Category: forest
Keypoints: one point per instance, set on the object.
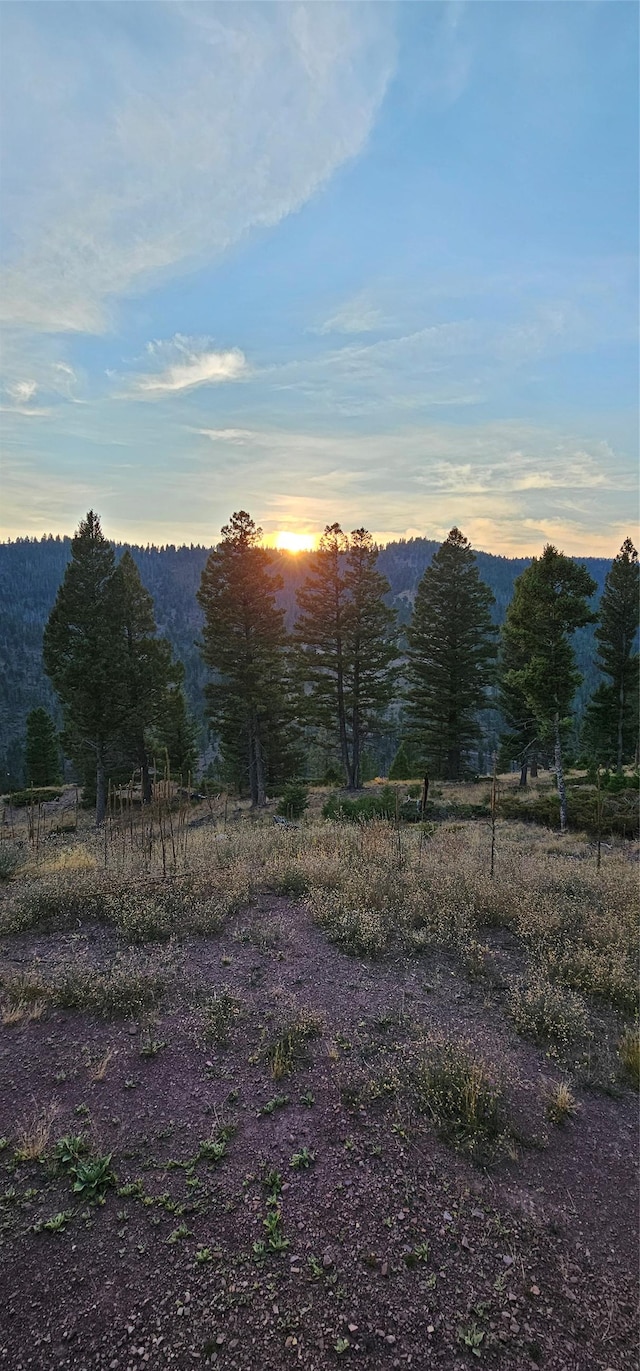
(31, 571)
(317, 677)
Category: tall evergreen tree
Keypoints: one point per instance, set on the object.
(347, 639)
(42, 749)
(451, 657)
(244, 643)
(520, 741)
(611, 724)
(148, 666)
(175, 733)
(550, 602)
(320, 632)
(83, 652)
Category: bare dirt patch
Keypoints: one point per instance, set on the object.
(301, 1207)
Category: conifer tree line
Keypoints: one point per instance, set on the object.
(115, 677)
(344, 676)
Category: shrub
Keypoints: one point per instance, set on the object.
(360, 930)
(619, 812)
(294, 800)
(9, 862)
(289, 1047)
(218, 1016)
(123, 989)
(561, 1104)
(374, 805)
(466, 1105)
(553, 1017)
(21, 799)
(629, 1054)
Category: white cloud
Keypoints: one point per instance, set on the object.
(357, 315)
(147, 148)
(22, 391)
(189, 362)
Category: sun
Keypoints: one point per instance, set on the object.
(294, 542)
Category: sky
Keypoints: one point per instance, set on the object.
(366, 263)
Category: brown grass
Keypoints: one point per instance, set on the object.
(34, 1136)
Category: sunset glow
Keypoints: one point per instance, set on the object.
(294, 542)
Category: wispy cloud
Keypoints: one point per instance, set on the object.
(205, 120)
(357, 315)
(188, 362)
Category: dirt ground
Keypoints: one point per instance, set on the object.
(396, 1250)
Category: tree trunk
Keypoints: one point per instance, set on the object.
(101, 789)
(342, 721)
(562, 790)
(620, 724)
(522, 784)
(258, 782)
(534, 766)
(354, 783)
(145, 778)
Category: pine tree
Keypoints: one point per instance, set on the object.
(520, 741)
(82, 652)
(320, 632)
(611, 723)
(244, 643)
(450, 659)
(347, 640)
(550, 602)
(175, 733)
(42, 749)
(400, 769)
(149, 670)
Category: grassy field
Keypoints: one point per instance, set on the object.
(316, 1095)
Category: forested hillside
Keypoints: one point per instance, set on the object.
(31, 571)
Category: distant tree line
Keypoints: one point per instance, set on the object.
(346, 674)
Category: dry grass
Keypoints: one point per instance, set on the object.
(34, 1136)
(629, 1054)
(561, 1104)
(370, 888)
(98, 1069)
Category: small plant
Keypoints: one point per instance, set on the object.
(181, 1232)
(56, 1224)
(68, 1150)
(302, 1160)
(219, 1014)
(294, 801)
(98, 1070)
(9, 862)
(561, 1104)
(290, 1047)
(278, 1102)
(466, 1105)
(33, 1139)
(308, 1099)
(472, 1338)
(419, 1253)
(150, 1046)
(629, 1054)
(550, 1015)
(92, 1177)
(341, 1345)
(203, 1255)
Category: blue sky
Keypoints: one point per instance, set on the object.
(374, 263)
